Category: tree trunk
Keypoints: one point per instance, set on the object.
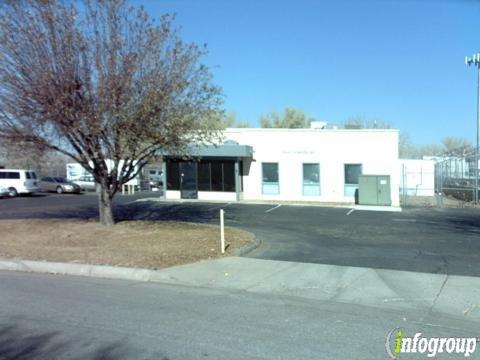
(105, 207)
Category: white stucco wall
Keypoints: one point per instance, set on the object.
(205, 195)
(172, 194)
(417, 177)
(217, 195)
(375, 149)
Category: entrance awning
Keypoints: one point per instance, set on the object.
(226, 150)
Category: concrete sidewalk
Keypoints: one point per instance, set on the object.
(458, 296)
(422, 293)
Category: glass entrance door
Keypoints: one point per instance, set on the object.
(188, 180)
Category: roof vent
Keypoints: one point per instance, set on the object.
(318, 124)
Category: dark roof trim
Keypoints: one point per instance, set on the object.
(224, 150)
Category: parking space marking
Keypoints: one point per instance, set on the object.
(351, 210)
(405, 220)
(275, 207)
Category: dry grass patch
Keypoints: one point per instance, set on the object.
(142, 244)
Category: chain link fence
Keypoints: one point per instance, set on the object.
(455, 177)
(417, 182)
(439, 181)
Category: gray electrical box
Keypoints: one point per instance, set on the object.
(374, 190)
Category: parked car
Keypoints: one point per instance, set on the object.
(59, 185)
(86, 183)
(4, 192)
(19, 181)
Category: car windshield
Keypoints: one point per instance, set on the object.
(60, 180)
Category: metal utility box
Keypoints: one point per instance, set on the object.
(374, 190)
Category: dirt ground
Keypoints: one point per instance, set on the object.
(435, 201)
(141, 244)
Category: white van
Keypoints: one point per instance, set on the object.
(19, 181)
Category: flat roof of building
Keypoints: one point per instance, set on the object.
(307, 130)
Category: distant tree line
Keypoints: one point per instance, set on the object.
(293, 118)
(449, 146)
(18, 156)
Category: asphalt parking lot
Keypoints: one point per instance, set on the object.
(433, 240)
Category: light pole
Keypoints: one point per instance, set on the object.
(475, 61)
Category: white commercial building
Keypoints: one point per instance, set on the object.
(321, 165)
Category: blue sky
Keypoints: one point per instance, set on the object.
(399, 61)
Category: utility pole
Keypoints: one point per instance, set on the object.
(475, 61)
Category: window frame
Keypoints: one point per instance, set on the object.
(209, 167)
(350, 190)
(225, 166)
(168, 178)
(270, 183)
(345, 172)
(317, 184)
(219, 165)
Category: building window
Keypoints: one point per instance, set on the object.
(270, 183)
(212, 175)
(229, 176)
(240, 175)
(217, 176)
(352, 174)
(173, 175)
(204, 177)
(311, 179)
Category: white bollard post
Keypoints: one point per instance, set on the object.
(222, 232)
(123, 189)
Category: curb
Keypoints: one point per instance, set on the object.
(244, 250)
(98, 271)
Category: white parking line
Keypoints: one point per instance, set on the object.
(351, 210)
(275, 207)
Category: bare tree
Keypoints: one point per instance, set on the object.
(453, 146)
(291, 118)
(359, 122)
(230, 120)
(449, 146)
(98, 80)
(409, 150)
(354, 122)
(20, 156)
